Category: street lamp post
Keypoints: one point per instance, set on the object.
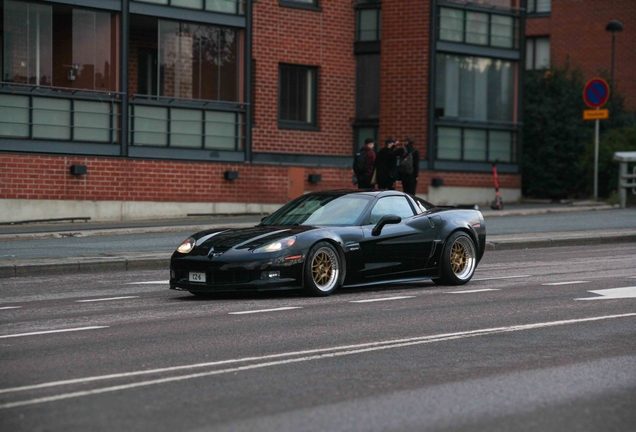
(613, 26)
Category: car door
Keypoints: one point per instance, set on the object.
(400, 250)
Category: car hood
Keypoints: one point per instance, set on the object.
(222, 240)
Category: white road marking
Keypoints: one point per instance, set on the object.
(149, 283)
(105, 299)
(308, 356)
(565, 283)
(381, 299)
(502, 277)
(265, 310)
(612, 293)
(52, 331)
(632, 277)
(472, 291)
(10, 307)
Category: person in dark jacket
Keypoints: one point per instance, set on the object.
(364, 178)
(409, 181)
(385, 165)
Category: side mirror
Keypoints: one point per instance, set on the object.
(386, 219)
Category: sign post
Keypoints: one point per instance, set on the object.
(595, 95)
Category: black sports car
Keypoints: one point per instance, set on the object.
(342, 238)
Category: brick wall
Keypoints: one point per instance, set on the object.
(323, 39)
(577, 31)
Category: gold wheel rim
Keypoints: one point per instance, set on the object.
(321, 269)
(459, 258)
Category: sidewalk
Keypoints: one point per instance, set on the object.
(161, 260)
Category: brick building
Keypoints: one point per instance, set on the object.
(176, 107)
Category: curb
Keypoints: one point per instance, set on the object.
(161, 261)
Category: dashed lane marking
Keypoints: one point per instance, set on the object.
(472, 291)
(106, 299)
(163, 282)
(565, 283)
(502, 277)
(10, 307)
(381, 299)
(52, 331)
(265, 310)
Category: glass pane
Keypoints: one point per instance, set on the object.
(176, 59)
(92, 121)
(451, 25)
(92, 67)
(193, 4)
(363, 133)
(186, 128)
(368, 24)
(391, 205)
(154, 1)
(229, 65)
(501, 91)
(543, 6)
(297, 94)
(227, 6)
(14, 115)
(542, 45)
(368, 86)
(220, 130)
(51, 118)
(449, 143)
(532, 6)
(473, 87)
(27, 43)
(500, 146)
(502, 31)
(475, 144)
(529, 54)
(150, 125)
(309, 109)
(477, 28)
(447, 86)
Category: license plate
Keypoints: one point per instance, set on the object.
(197, 277)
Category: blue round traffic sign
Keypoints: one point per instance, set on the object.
(596, 93)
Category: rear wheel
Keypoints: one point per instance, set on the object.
(459, 260)
(322, 270)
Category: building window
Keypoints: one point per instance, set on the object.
(475, 145)
(539, 6)
(302, 4)
(362, 133)
(185, 60)
(477, 28)
(297, 96)
(474, 88)
(59, 45)
(368, 24)
(235, 7)
(537, 53)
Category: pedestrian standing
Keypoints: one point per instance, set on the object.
(408, 166)
(386, 165)
(364, 163)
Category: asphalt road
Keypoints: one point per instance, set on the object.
(106, 245)
(525, 346)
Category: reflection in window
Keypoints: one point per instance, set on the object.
(223, 6)
(184, 60)
(477, 28)
(59, 46)
(397, 205)
(474, 88)
(297, 101)
(537, 53)
(474, 145)
(368, 24)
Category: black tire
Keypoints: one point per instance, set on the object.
(459, 260)
(323, 270)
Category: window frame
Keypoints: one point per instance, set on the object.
(313, 6)
(533, 41)
(489, 36)
(299, 124)
(514, 153)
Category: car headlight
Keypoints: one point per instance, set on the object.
(187, 245)
(277, 245)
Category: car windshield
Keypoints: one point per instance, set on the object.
(320, 210)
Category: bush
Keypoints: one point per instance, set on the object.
(623, 139)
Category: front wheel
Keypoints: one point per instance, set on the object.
(459, 260)
(322, 270)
